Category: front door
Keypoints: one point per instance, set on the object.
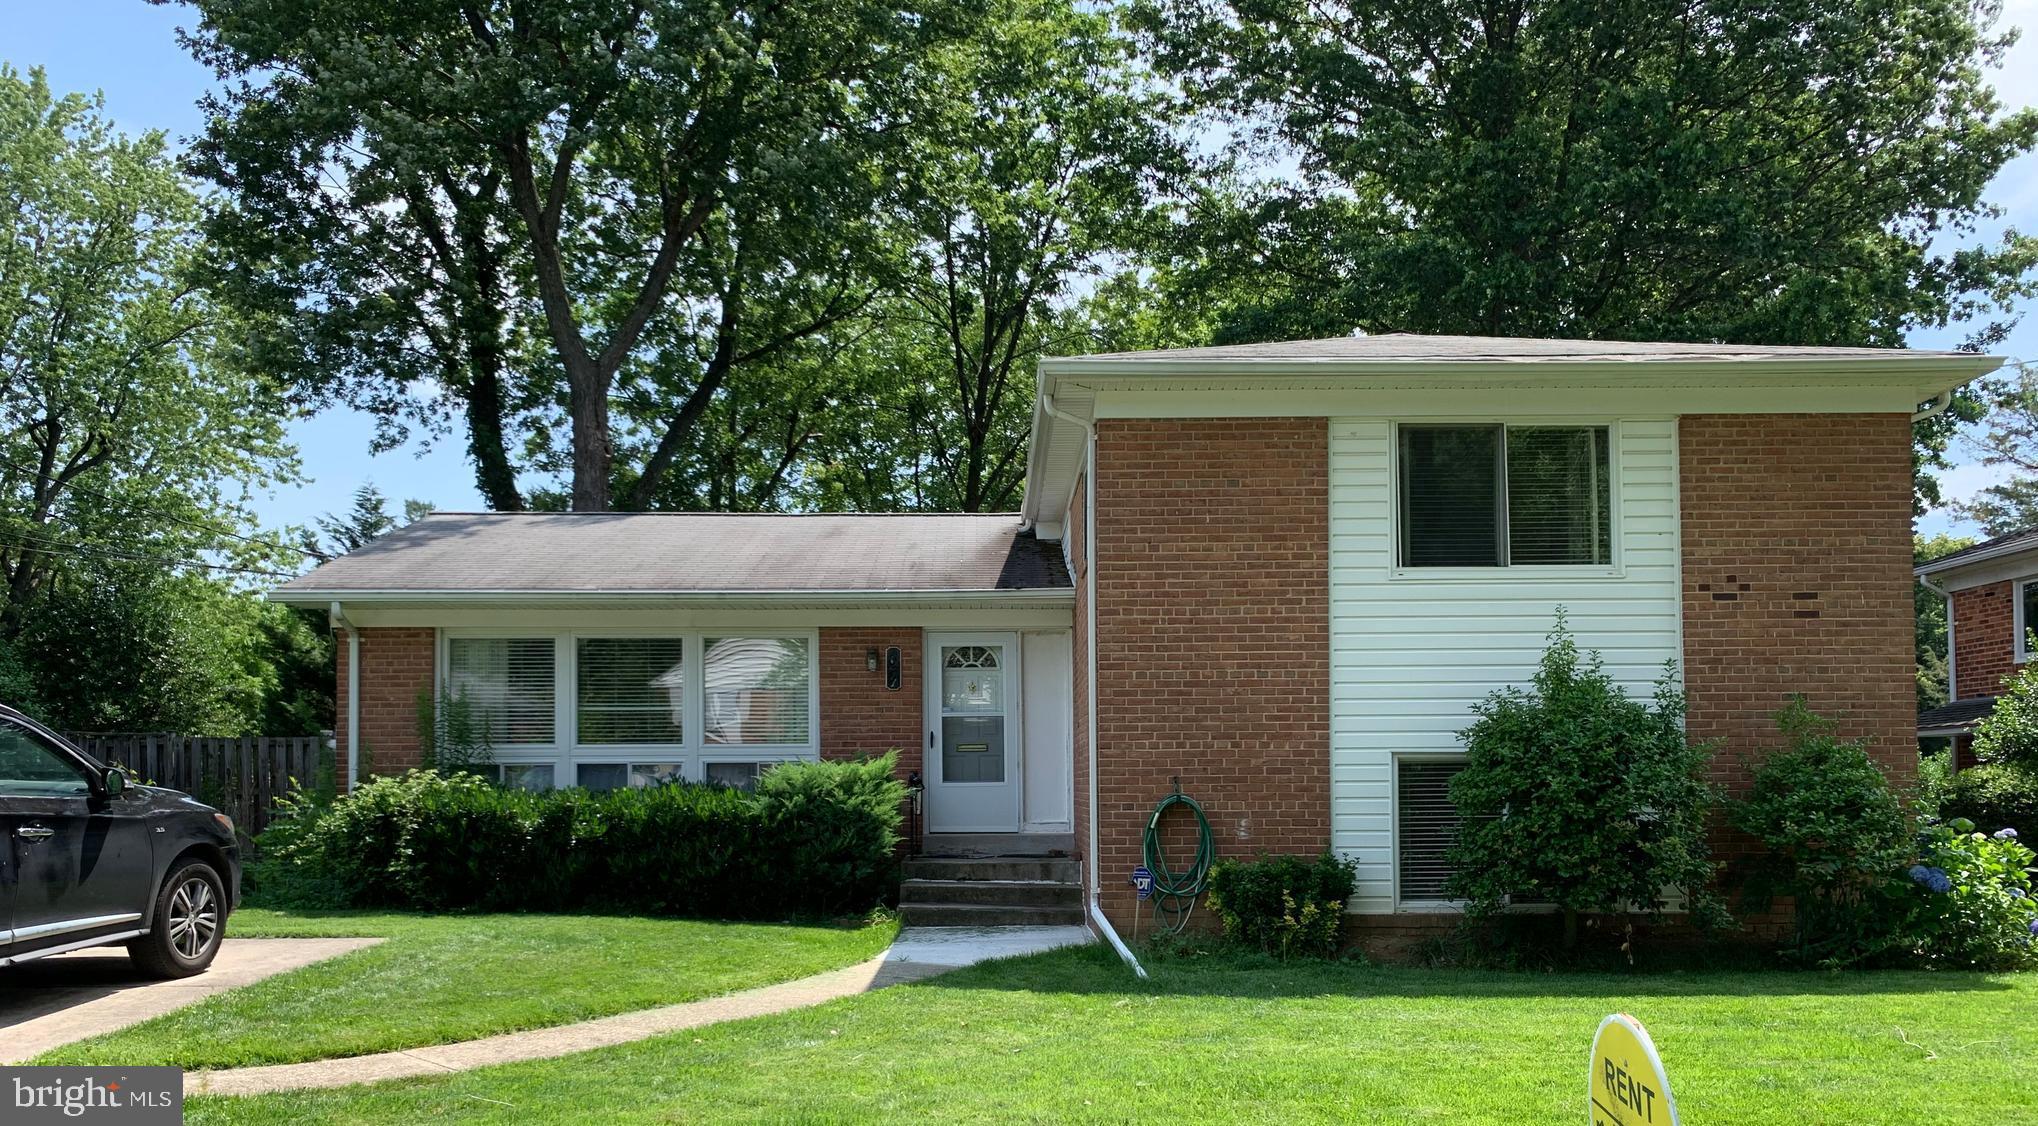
(973, 733)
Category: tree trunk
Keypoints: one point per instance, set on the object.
(1570, 928)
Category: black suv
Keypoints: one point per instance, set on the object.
(89, 860)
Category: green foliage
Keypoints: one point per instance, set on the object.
(1935, 781)
(1784, 173)
(1577, 795)
(2009, 733)
(2008, 441)
(452, 736)
(1284, 905)
(1969, 904)
(1994, 796)
(1930, 606)
(818, 841)
(1833, 837)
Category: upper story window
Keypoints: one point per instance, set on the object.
(1493, 495)
(2026, 618)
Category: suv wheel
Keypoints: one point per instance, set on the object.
(190, 918)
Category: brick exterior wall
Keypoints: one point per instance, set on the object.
(1213, 635)
(1984, 639)
(859, 715)
(1797, 579)
(396, 665)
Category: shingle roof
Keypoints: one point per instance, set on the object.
(1404, 347)
(1958, 715)
(691, 553)
(2001, 545)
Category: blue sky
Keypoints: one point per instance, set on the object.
(127, 49)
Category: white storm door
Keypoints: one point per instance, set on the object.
(973, 733)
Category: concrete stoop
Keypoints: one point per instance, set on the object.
(1018, 891)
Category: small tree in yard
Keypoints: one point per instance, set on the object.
(1574, 794)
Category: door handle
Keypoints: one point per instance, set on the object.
(34, 833)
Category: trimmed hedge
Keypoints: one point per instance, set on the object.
(815, 839)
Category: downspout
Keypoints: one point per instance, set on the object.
(1095, 910)
(1952, 677)
(338, 617)
(1937, 407)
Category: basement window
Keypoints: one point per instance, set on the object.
(1493, 495)
(1426, 825)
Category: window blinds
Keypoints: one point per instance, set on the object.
(1427, 825)
(630, 690)
(506, 683)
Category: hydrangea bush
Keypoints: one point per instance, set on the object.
(1969, 899)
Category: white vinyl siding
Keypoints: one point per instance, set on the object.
(1413, 649)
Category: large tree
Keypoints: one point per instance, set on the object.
(608, 180)
(2008, 441)
(1045, 174)
(1788, 173)
(127, 431)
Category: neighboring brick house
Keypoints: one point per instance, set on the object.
(1991, 592)
(1277, 576)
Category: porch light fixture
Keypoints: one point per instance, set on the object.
(870, 660)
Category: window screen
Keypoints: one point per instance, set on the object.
(506, 683)
(630, 690)
(1427, 826)
(1496, 496)
(756, 691)
(1450, 496)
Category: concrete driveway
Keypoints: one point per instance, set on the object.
(69, 997)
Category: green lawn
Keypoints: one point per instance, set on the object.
(1068, 1036)
(439, 979)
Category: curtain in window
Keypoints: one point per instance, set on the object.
(757, 690)
(630, 690)
(506, 683)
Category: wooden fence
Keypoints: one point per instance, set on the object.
(241, 777)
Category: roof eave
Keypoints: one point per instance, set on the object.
(319, 597)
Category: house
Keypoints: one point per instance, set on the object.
(1991, 592)
(1277, 576)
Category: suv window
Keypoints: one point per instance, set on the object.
(29, 768)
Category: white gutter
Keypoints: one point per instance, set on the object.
(338, 617)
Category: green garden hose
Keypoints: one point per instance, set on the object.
(1174, 893)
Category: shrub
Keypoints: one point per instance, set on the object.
(1969, 899)
(2009, 733)
(452, 736)
(1577, 795)
(817, 841)
(1994, 796)
(1284, 905)
(1833, 833)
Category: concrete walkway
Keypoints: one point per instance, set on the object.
(53, 1001)
(919, 953)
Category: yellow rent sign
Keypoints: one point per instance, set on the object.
(1627, 1086)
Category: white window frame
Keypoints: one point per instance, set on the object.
(1398, 524)
(1402, 905)
(567, 754)
(2020, 650)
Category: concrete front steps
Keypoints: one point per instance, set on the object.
(986, 891)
